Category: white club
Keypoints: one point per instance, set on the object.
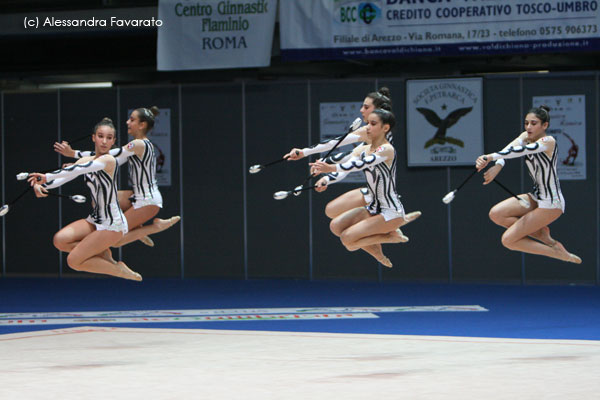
(3, 210)
(22, 176)
(280, 195)
(77, 198)
(449, 197)
(297, 190)
(356, 124)
(255, 169)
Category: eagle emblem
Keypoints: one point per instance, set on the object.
(442, 125)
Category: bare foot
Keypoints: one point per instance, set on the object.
(410, 217)
(126, 273)
(564, 255)
(398, 237)
(147, 241)
(107, 255)
(543, 235)
(162, 224)
(385, 262)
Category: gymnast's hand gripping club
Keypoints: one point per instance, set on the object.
(337, 172)
(77, 198)
(61, 176)
(254, 169)
(121, 154)
(347, 138)
(511, 152)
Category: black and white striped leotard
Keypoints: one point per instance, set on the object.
(345, 156)
(381, 180)
(390, 137)
(142, 177)
(106, 214)
(542, 169)
(142, 173)
(103, 189)
(546, 186)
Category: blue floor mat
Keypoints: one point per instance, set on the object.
(543, 312)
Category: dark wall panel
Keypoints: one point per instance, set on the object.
(477, 253)
(425, 256)
(31, 128)
(576, 229)
(331, 259)
(278, 236)
(162, 260)
(228, 127)
(3, 178)
(213, 181)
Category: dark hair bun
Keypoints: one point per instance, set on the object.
(107, 120)
(154, 110)
(384, 91)
(545, 108)
(386, 107)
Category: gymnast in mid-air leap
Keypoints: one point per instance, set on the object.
(369, 226)
(144, 200)
(546, 199)
(88, 241)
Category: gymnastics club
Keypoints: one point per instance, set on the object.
(255, 169)
(6, 208)
(450, 196)
(77, 198)
(21, 176)
(523, 202)
(353, 126)
(79, 139)
(284, 194)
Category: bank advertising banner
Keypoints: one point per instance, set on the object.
(444, 122)
(214, 34)
(343, 29)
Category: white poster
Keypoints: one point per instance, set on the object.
(444, 122)
(567, 125)
(213, 34)
(345, 29)
(335, 118)
(160, 136)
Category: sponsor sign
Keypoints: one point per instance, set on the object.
(444, 121)
(343, 29)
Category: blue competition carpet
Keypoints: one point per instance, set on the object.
(543, 312)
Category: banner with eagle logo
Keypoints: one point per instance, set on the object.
(444, 122)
